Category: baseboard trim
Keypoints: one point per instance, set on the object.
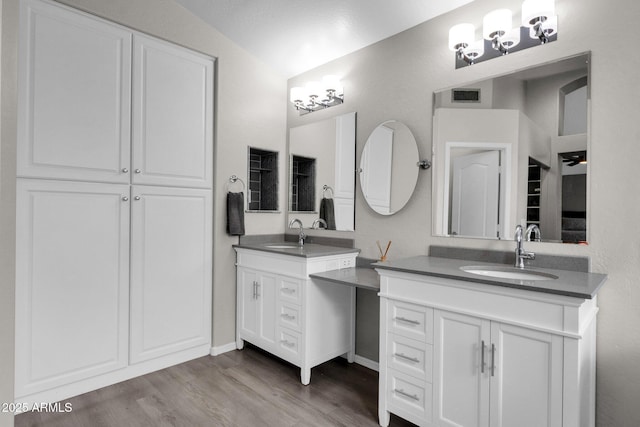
(218, 350)
(367, 363)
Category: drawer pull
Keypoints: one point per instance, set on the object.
(405, 394)
(404, 319)
(288, 316)
(405, 357)
(288, 291)
(288, 343)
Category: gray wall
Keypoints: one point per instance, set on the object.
(250, 109)
(395, 79)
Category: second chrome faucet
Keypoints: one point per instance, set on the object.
(521, 254)
(301, 235)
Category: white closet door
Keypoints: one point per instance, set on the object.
(75, 95)
(172, 115)
(171, 270)
(72, 299)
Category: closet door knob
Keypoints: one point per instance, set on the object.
(125, 170)
(125, 199)
(137, 198)
(137, 171)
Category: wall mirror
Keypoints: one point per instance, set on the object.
(389, 167)
(513, 150)
(322, 162)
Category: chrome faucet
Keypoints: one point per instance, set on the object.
(521, 254)
(317, 222)
(533, 228)
(301, 236)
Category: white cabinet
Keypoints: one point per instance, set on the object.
(172, 115)
(72, 282)
(84, 117)
(114, 278)
(454, 353)
(75, 95)
(495, 374)
(282, 311)
(170, 270)
(257, 293)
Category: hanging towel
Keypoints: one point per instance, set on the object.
(327, 213)
(235, 214)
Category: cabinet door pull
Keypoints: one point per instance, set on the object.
(404, 319)
(405, 357)
(405, 394)
(125, 170)
(287, 343)
(288, 316)
(137, 171)
(482, 358)
(125, 199)
(255, 292)
(493, 360)
(288, 291)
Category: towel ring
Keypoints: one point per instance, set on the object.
(326, 188)
(233, 179)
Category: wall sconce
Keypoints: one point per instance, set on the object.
(317, 95)
(539, 26)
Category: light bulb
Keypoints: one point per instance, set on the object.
(496, 23)
(461, 35)
(534, 11)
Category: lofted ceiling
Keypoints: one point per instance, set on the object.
(294, 36)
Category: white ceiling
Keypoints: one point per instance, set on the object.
(294, 36)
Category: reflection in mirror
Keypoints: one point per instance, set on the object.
(323, 154)
(262, 194)
(514, 153)
(388, 167)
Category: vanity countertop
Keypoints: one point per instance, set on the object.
(360, 277)
(309, 250)
(568, 283)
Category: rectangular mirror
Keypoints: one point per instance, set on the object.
(322, 159)
(513, 150)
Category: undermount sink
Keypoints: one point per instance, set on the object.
(283, 246)
(512, 273)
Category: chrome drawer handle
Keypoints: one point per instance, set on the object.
(405, 394)
(288, 291)
(288, 316)
(288, 343)
(404, 319)
(405, 357)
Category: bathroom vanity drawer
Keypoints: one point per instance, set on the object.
(290, 290)
(410, 320)
(409, 397)
(289, 316)
(412, 357)
(289, 342)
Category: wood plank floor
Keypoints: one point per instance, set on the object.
(239, 388)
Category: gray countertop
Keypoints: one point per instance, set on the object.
(309, 250)
(360, 277)
(568, 283)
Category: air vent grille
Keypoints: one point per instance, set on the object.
(465, 95)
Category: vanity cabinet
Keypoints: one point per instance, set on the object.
(114, 238)
(281, 310)
(458, 353)
(516, 375)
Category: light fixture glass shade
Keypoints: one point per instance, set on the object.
(332, 82)
(314, 89)
(297, 94)
(461, 35)
(534, 10)
(497, 23)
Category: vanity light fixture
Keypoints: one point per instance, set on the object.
(316, 96)
(539, 26)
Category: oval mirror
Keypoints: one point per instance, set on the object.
(388, 167)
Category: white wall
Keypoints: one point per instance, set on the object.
(395, 79)
(250, 107)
